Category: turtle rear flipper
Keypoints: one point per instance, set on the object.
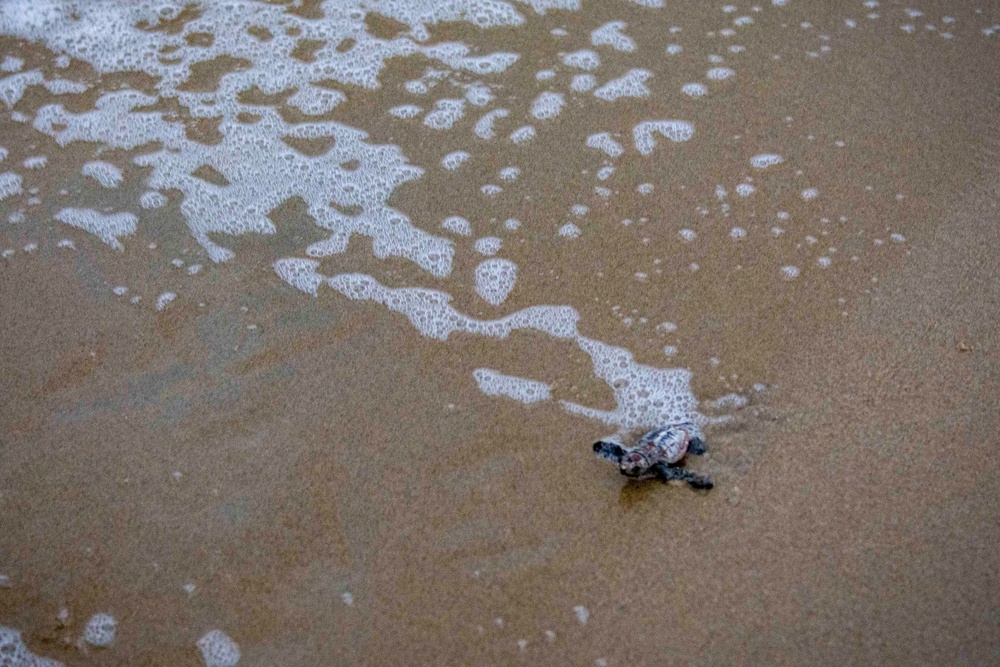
(697, 446)
(609, 450)
(667, 473)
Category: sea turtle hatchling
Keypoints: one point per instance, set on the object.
(657, 454)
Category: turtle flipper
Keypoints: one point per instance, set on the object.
(609, 450)
(697, 446)
(667, 473)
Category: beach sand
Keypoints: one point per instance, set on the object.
(339, 492)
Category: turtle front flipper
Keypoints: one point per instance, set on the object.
(609, 450)
(697, 446)
(667, 473)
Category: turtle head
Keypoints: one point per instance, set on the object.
(634, 464)
(611, 451)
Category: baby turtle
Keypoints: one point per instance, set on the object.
(658, 454)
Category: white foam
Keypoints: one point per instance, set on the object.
(610, 34)
(165, 300)
(720, 73)
(581, 83)
(454, 160)
(457, 225)
(36, 162)
(790, 272)
(491, 190)
(523, 135)
(509, 173)
(512, 224)
(765, 160)
(484, 128)
(105, 173)
(406, 111)
(545, 75)
(547, 105)
(744, 189)
(694, 89)
(674, 49)
(630, 84)
(604, 173)
(809, 194)
(14, 652)
(300, 274)
(581, 614)
(494, 383)
(152, 199)
(603, 141)
(107, 227)
(10, 185)
(100, 630)
(445, 114)
(218, 650)
(584, 59)
(675, 130)
(11, 64)
(488, 245)
(495, 278)
(737, 233)
(569, 231)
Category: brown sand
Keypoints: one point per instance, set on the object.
(332, 449)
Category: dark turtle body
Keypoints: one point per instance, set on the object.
(658, 453)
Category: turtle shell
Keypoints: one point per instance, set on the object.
(668, 444)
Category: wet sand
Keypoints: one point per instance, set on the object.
(279, 451)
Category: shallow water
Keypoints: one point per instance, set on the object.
(312, 311)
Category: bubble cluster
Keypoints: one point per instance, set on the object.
(494, 383)
(218, 650)
(107, 227)
(495, 278)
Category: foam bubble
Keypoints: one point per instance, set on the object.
(765, 160)
(10, 184)
(484, 126)
(100, 630)
(457, 225)
(14, 652)
(105, 173)
(547, 105)
(445, 114)
(218, 650)
(406, 111)
(36, 162)
(509, 173)
(523, 135)
(630, 84)
(152, 199)
(584, 59)
(107, 227)
(674, 49)
(488, 245)
(581, 83)
(165, 300)
(809, 194)
(610, 34)
(494, 383)
(720, 73)
(300, 274)
(454, 160)
(694, 90)
(790, 272)
(603, 141)
(495, 278)
(569, 231)
(674, 130)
